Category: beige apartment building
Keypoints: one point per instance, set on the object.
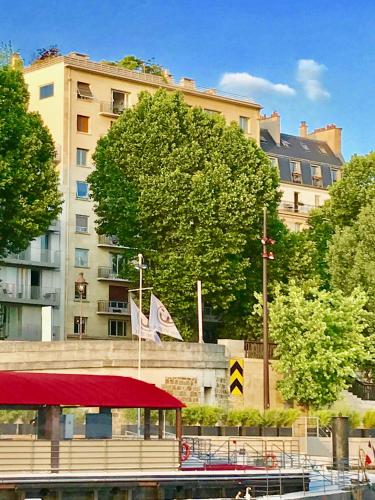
(79, 100)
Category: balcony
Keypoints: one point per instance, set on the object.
(30, 295)
(34, 257)
(107, 273)
(113, 110)
(54, 227)
(108, 241)
(300, 208)
(254, 350)
(113, 307)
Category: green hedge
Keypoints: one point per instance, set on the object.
(246, 417)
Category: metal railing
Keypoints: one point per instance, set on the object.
(300, 208)
(11, 292)
(363, 390)
(112, 241)
(35, 256)
(112, 108)
(255, 350)
(107, 273)
(113, 307)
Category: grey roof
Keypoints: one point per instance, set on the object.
(311, 152)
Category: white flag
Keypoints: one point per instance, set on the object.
(147, 333)
(160, 319)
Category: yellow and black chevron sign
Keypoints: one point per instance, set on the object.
(236, 377)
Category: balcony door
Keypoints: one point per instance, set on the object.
(118, 101)
(35, 282)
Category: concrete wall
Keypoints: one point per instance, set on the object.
(195, 373)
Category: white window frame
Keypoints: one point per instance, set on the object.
(245, 129)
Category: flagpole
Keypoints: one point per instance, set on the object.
(200, 315)
(140, 265)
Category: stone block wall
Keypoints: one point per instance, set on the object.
(184, 388)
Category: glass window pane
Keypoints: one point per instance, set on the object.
(81, 223)
(46, 91)
(81, 159)
(82, 189)
(81, 257)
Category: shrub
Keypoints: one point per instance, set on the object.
(210, 415)
(280, 418)
(325, 416)
(369, 419)
(192, 415)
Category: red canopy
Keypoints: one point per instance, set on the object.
(60, 389)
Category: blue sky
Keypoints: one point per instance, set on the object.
(311, 61)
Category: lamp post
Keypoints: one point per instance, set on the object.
(266, 257)
(81, 287)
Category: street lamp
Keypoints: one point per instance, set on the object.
(81, 288)
(267, 255)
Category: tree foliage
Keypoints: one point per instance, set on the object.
(188, 191)
(136, 64)
(29, 197)
(320, 341)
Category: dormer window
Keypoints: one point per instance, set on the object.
(285, 143)
(84, 91)
(335, 174)
(295, 170)
(316, 175)
(305, 146)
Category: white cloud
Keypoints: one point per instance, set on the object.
(250, 85)
(309, 73)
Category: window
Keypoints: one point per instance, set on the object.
(82, 124)
(46, 91)
(119, 101)
(285, 143)
(81, 257)
(77, 293)
(305, 146)
(82, 222)
(81, 157)
(316, 175)
(117, 263)
(44, 242)
(116, 328)
(84, 91)
(211, 111)
(335, 174)
(295, 170)
(274, 162)
(78, 321)
(82, 190)
(244, 124)
(297, 227)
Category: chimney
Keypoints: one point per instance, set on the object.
(272, 124)
(16, 61)
(331, 135)
(188, 83)
(303, 129)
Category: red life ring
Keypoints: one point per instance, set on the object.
(185, 451)
(271, 457)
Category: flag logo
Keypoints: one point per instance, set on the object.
(147, 332)
(236, 377)
(160, 319)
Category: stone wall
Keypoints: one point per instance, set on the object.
(222, 391)
(184, 388)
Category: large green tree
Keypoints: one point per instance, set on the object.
(29, 197)
(320, 341)
(188, 191)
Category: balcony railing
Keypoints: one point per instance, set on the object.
(363, 390)
(111, 109)
(255, 350)
(300, 208)
(113, 307)
(34, 256)
(13, 293)
(107, 273)
(110, 241)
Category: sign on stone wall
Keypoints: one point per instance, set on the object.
(236, 377)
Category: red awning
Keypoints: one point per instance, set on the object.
(60, 389)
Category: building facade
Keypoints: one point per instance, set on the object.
(308, 165)
(71, 277)
(79, 100)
